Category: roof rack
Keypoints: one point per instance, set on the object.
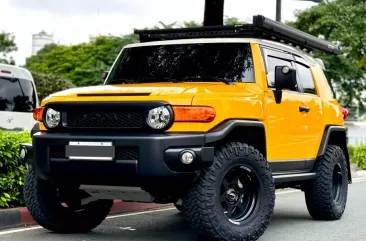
(262, 28)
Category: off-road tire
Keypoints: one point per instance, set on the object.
(319, 195)
(202, 208)
(44, 206)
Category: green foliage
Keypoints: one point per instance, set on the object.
(358, 155)
(12, 169)
(351, 151)
(342, 22)
(190, 24)
(84, 63)
(47, 84)
(7, 45)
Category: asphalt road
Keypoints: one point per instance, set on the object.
(291, 222)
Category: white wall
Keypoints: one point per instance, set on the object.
(356, 132)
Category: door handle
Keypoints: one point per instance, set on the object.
(304, 109)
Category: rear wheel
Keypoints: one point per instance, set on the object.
(60, 213)
(234, 198)
(326, 196)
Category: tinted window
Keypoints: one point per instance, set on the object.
(306, 78)
(178, 62)
(17, 95)
(271, 64)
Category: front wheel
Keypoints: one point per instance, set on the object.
(43, 201)
(233, 199)
(326, 196)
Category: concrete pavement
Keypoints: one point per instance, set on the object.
(291, 222)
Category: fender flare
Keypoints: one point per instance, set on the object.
(325, 142)
(224, 129)
(35, 129)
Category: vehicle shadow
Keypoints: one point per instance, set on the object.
(168, 226)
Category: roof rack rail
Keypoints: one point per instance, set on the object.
(262, 28)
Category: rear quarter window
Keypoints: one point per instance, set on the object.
(17, 95)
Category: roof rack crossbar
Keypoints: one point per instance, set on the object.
(262, 28)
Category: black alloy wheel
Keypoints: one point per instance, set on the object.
(239, 193)
(337, 182)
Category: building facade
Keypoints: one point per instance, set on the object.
(39, 40)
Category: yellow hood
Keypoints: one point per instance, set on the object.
(176, 93)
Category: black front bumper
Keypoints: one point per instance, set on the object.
(157, 155)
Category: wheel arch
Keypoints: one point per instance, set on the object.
(336, 135)
(35, 129)
(251, 132)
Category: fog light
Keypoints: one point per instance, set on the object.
(187, 157)
(23, 153)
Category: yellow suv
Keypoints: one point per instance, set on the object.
(212, 119)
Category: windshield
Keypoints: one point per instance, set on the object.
(17, 95)
(209, 62)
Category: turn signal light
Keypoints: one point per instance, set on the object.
(194, 113)
(38, 113)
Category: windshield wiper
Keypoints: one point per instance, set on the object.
(226, 81)
(142, 80)
(120, 81)
(161, 78)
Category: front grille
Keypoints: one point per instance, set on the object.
(121, 119)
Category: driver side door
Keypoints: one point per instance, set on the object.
(285, 131)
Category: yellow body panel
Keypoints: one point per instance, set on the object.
(290, 134)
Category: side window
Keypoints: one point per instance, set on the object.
(272, 62)
(306, 78)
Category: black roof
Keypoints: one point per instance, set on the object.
(262, 28)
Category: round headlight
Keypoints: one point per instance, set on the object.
(52, 118)
(159, 117)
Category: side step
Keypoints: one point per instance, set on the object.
(127, 194)
(284, 178)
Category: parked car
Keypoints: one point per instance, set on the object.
(18, 98)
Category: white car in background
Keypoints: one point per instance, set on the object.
(18, 98)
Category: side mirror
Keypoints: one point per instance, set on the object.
(285, 78)
(104, 75)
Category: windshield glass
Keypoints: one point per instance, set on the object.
(17, 95)
(209, 62)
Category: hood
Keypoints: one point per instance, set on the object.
(150, 89)
(181, 93)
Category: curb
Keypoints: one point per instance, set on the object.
(20, 217)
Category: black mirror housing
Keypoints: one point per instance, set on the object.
(285, 78)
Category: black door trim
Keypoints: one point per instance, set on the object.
(292, 166)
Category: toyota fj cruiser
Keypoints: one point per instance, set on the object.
(213, 119)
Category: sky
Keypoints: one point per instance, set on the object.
(73, 21)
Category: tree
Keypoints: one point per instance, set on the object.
(47, 84)
(84, 63)
(7, 45)
(342, 22)
(190, 24)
